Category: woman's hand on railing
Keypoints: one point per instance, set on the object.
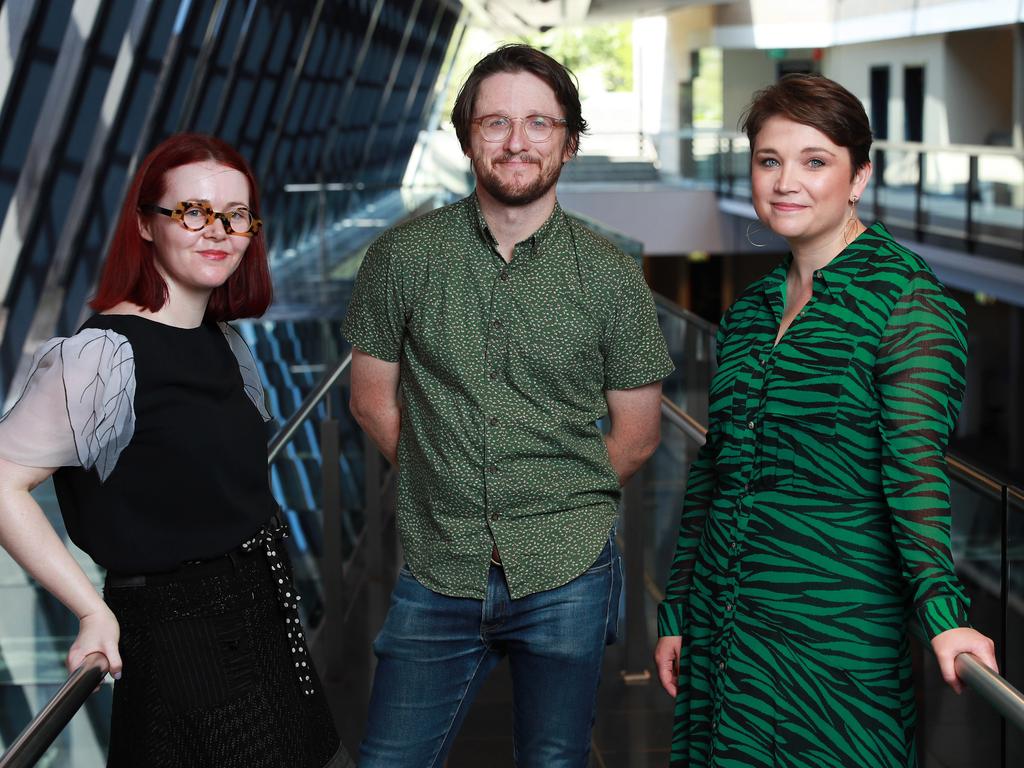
(666, 661)
(951, 643)
(97, 633)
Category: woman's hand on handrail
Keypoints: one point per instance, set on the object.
(29, 538)
(98, 632)
(666, 661)
(951, 643)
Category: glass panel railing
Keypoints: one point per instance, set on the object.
(292, 356)
(976, 738)
(290, 353)
(666, 474)
(944, 187)
(1013, 639)
(691, 345)
(36, 632)
(317, 241)
(955, 194)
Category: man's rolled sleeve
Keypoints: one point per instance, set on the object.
(375, 320)
(635, 351)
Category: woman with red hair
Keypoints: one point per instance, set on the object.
(151, 421)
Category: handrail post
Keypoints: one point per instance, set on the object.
(637, 671)
(972, 190)
(331, 569)
(718, 165)
(877, 183)
(919, 197)
(1004, 602)
(372, 461)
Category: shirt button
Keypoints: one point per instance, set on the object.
(496, 323)
(492, 468)
(493, 421)
(750, 425)
(721, 665)
(493, 375)
(728, 607)
(733, 544)
(504, 276)
(495, 515)
(818, 274)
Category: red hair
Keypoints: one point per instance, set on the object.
(130, 273)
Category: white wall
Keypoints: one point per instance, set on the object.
(743, 72)
(968, 81)
(979, 82)
(667, 220)
(851, 65)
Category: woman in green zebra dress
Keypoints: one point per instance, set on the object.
(816, 522)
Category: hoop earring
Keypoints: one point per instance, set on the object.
(852, 220)
(749, 240)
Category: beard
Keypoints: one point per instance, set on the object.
(512, 193)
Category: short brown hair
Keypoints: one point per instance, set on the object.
(516, 57)
(818, 102)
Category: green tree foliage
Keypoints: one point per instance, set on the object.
(607, 48)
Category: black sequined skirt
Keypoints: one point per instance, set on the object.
(210, 677)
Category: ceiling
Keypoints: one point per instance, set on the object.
(526, 16)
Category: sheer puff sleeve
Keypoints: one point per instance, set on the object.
(247, 367)
(77, 406)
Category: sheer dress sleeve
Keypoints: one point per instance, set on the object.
(247, 367)
(920, 377)
(76, 409)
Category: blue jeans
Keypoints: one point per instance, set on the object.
(434, 652)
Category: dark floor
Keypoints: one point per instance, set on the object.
(633, 728)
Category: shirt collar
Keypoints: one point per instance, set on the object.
(836, 276)
(538, 239)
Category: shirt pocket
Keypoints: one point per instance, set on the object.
(788, 402)
(805, 385)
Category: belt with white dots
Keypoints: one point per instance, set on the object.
(269, 538)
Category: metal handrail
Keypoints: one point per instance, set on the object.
(1004, 698)
(684, 421)
(995, 689)
(885, 144)
(39, 734)
(674, 309)
(311, 401)
(980, 480)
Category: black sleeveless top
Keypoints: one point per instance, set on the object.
(191, 482)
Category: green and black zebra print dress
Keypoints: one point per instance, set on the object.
(816, 519)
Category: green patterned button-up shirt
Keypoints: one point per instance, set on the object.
(503, 372)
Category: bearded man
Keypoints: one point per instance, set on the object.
(490, 337)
